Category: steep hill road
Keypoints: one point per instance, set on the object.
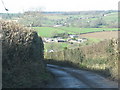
(74, 78)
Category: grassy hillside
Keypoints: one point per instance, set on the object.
(109, 16)
(83, 19)
(47, 31)
(89, 20)
(51, 31)
(85, 30)
(101, 57)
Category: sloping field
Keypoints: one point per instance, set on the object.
(85, 30)
(51, 31)
(102, 35)
(47, 31)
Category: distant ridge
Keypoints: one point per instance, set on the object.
(78, 12)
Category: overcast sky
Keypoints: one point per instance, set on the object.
(59, 5)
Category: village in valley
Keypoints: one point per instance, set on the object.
(70, 39)
(57, 41)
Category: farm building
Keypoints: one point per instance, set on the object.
(61, 40)
(73, 36)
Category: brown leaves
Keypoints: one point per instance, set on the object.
(21, 47)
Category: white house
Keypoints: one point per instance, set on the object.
(51, 51)
(73, 36)
(57, 25)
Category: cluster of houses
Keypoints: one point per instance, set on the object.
(71, 39)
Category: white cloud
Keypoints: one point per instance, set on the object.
(60, 5)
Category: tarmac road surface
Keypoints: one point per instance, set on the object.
(74, 78)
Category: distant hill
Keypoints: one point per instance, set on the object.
(81, 19)
(78, 12)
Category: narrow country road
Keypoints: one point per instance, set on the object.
(74, 78)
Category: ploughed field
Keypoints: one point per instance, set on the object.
(102, 35)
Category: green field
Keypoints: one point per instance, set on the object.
(85, 30)
(51, 31)
(74, 20)
(110, 16)
(47, 31)
(55, 46)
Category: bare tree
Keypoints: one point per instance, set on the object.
(33, 17)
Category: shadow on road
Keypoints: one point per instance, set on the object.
(105, 73)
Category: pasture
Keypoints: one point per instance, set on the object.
(47, 31)
(51, 31)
